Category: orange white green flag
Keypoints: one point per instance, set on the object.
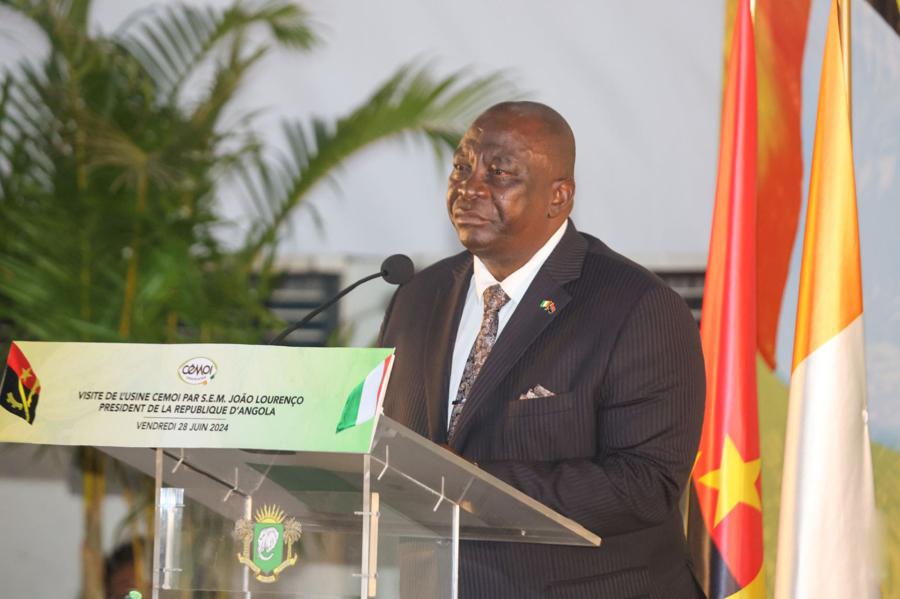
(827, 495)
(365, 400)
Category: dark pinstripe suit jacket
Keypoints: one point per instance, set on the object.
(612, 449)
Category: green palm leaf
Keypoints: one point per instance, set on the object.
(173, 42)
(64, 22)
(26, 126)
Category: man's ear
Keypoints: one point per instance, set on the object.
(563, 194)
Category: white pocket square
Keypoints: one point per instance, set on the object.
(537, 391)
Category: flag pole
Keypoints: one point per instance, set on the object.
(844, 26)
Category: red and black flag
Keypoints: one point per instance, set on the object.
(20, 387)
(725, 513)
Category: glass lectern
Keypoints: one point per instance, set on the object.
(386, 524)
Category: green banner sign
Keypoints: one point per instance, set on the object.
(203, 395)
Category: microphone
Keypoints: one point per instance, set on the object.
(396, 270)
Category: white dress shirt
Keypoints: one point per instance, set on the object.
(515, 286)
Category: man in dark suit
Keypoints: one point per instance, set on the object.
(557, 365)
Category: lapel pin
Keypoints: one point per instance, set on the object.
(548, 306)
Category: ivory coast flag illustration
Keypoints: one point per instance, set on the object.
(827, 494)
(366, 398)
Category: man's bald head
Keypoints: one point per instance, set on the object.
(512, 183)
(554, 133)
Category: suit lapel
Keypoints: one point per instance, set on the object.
(440, 339)
(527, 322)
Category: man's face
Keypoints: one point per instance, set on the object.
(501, 188)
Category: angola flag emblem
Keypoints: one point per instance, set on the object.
(20, 387)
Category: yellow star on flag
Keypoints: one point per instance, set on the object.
(735, 480)
(26, 374)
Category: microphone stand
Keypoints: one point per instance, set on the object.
(283, 334)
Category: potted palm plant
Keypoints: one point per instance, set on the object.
(109, 178)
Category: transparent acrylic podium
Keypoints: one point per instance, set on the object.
(384, 524)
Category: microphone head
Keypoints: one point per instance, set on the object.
(397, 269)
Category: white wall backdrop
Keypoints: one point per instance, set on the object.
(639, 83)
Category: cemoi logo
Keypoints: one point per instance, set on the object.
(197, 371)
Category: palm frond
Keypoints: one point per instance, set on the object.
(26, 130)
(109, 146)
(9, 135)
(225, 82)
(64, 22)
(243, 530)
(110, 186)
(292, 530)
(173, 42)
(409, 103)
(288, 22)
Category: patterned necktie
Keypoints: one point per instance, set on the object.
(494, 299)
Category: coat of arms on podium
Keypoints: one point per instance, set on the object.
(264, 540)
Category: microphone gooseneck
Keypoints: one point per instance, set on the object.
(396, 270)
